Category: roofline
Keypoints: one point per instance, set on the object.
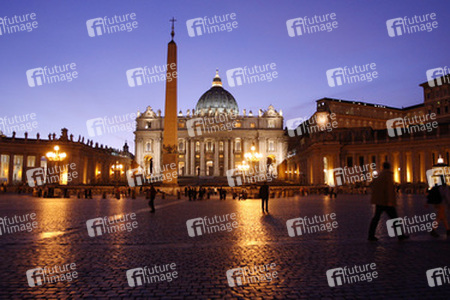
(359, 102)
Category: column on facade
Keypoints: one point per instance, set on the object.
(202, 158)
(232, 154)
(186, 157)
(11, 168)
(139, 150)
(225, 156)
(157, 161)
(415, 160)
(216, 158)
(193, 154)
(262, 149)
(402, 166)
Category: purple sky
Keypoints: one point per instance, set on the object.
(261, 37)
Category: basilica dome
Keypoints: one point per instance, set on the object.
(217, 99)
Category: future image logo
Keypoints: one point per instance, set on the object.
(109, 25)
(253, 74)
(410, 25)
(438, 276)
(348, 275)
(309, 25)
(438, 76)
(49, 75)
(253, 274)
(351, 75)
(208, 25)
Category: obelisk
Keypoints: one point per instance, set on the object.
(170, 133)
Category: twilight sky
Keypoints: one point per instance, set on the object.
(261, 37)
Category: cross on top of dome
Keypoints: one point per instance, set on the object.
(217, 81)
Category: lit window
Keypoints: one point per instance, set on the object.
(148, 125)
(4, 167)
(271, 146)
(237, 146)
(252, 125)
(17, 168)
(31, 161)
(181, 146)
(221, 146)
(237, 124)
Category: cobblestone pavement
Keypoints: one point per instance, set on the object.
(61, 237)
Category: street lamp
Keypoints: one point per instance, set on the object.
(117, 170)
(57, 157)
(243, 166)
(253, 156)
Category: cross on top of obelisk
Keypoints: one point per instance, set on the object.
(173, 20)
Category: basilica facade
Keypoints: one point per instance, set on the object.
(213, 138)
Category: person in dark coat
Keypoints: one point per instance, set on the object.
(384, 198)
(264, 194)
(151, 202)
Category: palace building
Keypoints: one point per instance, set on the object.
(413, 139)
(213, 137)
(82, 162)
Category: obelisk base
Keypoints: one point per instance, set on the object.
(170, 172)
